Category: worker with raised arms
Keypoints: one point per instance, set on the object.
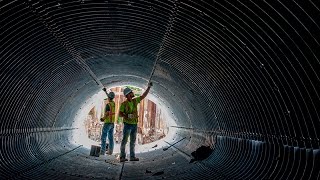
(129, 112)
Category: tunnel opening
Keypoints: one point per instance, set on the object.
(154, 124)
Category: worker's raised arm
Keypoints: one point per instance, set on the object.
(105, 90)
(147, 91)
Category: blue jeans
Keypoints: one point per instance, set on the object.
(128, 130)
(107, 131)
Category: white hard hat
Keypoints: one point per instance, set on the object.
(126, 91)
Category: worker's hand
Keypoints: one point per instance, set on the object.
(150, 84)
(104, 89)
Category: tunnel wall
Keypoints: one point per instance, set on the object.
(240, 76)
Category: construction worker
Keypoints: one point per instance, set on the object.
(108, 126)
(129, 112)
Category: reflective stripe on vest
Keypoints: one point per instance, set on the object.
(110, 118)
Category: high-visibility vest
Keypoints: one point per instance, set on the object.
(128, 110)
(111, 117)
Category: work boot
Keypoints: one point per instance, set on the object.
(123, 159)
(134, 159)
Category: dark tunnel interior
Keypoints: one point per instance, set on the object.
(239, 76)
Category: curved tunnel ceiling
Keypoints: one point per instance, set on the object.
(240, 76)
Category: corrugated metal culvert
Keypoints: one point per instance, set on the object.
(241, 77)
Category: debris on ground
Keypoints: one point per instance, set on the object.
(147, 171)
(201, 153)
(155, 146)
(164, 149)
(158, 173)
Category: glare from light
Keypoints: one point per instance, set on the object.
(80, 137)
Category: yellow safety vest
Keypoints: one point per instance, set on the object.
(133, 111)
(111, 117)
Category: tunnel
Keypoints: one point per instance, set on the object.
(240, 77)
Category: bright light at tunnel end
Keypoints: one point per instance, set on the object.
(80, 137)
